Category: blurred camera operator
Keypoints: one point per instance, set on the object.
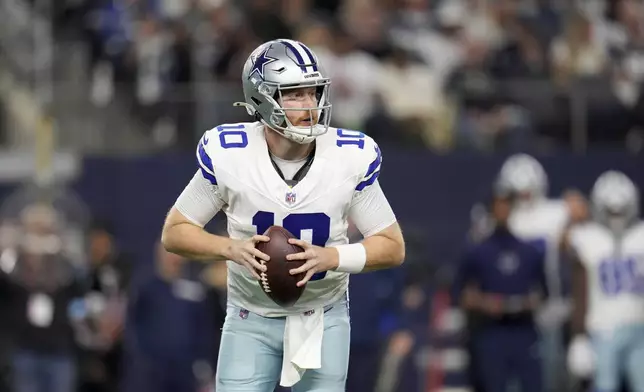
(41, 285)
(501, 284)
(101, 335)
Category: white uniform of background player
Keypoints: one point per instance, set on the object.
(251, 173)
(535, 218)
(541, 221)
(610, 290)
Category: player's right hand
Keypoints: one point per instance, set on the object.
(244, 253)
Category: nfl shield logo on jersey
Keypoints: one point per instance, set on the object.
(290, 197)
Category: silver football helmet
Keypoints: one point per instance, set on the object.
(523, 174)
(615, 200)
(275, 67)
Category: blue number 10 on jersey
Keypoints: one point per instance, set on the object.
(318, 223)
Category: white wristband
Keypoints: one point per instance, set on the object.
(351, 258)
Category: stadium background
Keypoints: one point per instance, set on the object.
(106, 99)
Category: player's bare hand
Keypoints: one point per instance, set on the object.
(244, 253)
(318, 259)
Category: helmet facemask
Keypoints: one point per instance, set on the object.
(278, 120)
(617, 217)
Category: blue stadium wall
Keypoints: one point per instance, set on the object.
(432, 196)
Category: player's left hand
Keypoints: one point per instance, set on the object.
(318, 259)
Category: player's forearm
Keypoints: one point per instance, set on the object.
(383, 252)
(194, 242)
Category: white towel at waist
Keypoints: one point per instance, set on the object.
(302, 345)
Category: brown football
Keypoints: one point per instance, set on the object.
(277, 282)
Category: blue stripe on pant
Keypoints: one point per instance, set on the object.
(250, 355)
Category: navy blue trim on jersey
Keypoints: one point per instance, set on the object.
(368, 181)
(205, 164)
(376, 162)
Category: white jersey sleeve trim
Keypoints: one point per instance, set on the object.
(200, 201)
(370, 211)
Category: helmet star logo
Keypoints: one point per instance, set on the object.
(262, 60)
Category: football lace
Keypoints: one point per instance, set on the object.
(264, 279)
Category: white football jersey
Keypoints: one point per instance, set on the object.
(542, 224)
(615, 273)
(346, 165)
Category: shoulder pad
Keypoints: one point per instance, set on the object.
(215, 146)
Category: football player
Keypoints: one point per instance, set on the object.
(543, 222)
(608, 288)
(535, 218)
(288, 168)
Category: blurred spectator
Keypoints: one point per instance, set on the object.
(149, 54)
(265, 21)
(180, 95)
(485, 119)
(366, 21)
(354, 73)
(101, 340)
(45, 294)
(152, 66)
(411, 95)
(163, 354)
(576, 53)
(521, 56)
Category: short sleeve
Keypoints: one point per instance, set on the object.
(370, 210)
(200, 201)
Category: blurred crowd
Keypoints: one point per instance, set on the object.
(445, 74)
(82, 314)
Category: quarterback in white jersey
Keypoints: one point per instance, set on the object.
(288, 168)
(609, 287)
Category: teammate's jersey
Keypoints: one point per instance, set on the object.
(542, 224)
(235, 158)
(615, 272)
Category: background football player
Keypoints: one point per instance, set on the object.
(608, 287)
(543, 222)
(289, 168)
